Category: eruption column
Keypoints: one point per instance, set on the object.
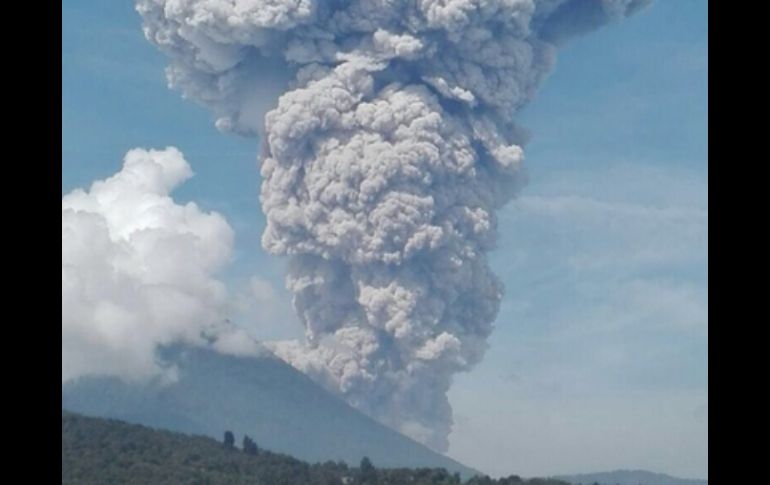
(383, 163)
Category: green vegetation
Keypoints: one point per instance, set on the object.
(102, 451)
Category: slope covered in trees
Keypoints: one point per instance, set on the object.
(96, 450)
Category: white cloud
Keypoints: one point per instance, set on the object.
(138, 269)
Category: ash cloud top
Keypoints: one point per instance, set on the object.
(388, 146)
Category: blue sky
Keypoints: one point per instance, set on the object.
(599, 358)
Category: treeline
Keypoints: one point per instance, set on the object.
(108, 451)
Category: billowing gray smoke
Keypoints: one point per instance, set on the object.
(384, 161)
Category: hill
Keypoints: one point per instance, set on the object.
(629, 477)
(279, 407)
(97, 451)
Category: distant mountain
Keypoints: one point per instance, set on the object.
(628, 477)
(98, 451)
(276, 405)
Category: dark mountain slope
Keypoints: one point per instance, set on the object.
(279, 407)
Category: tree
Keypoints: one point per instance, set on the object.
(249, 446)
(368, 473)
(229, 439)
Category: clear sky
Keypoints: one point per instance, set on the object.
(599, 357)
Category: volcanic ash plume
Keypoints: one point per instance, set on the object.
(384, 161)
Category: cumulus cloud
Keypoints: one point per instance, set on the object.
(384, 162)
(138, 271)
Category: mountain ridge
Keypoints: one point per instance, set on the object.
(628, 477)
(261, 396)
